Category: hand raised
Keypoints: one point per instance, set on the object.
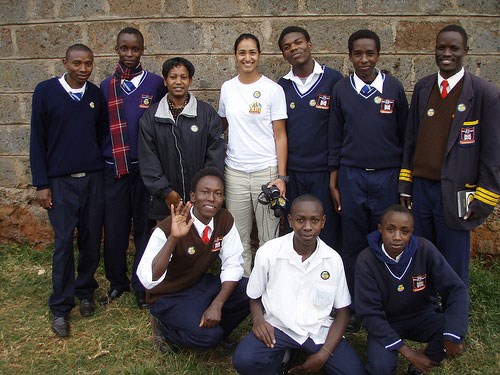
(180, 224)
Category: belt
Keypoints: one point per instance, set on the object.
(78, 175)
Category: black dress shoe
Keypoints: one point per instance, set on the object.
(86, 307)
(60, 326)
(140, 298)
(110, 297)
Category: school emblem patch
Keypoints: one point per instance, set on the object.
(217, 244)
(386, 106)
(467, 135)
(419, 282)
(323, 101)
(191, 250)
(146, 101)
(325, 275)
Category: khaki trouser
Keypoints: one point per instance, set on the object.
(242, 191)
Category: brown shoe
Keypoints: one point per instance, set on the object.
(60, 326)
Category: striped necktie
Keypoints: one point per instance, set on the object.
(77, 96)
(128, 86)
(365, 89)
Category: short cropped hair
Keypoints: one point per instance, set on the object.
(363, 34)
(130, 30)
(176, 62)
(244, 36)
(395, 208)
(78, 47)
(293, 29)
(457, 28)
(309, 198)
(209, 171)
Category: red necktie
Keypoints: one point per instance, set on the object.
(444, 91)
(205, 237)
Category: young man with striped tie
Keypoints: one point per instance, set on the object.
(66, 166)
(128, 92)
(366, 131)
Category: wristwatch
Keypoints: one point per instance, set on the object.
(284, 178)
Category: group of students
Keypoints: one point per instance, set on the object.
(144, 149)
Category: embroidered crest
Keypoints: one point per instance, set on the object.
(256, 94)
(323, 101)
(217, 244)
(92, 105)
(386, 106)
(467, 135)
(191, 250)
(401, 287)
(146, 100)
(325, 275)
(312, 102)
(292, 105)
(377, 99)
(461, 107)
(419, 282)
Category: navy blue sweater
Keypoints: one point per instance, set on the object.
(150, 91)
(367, 132)
(387, 291)
(64, 132)
(307, 123)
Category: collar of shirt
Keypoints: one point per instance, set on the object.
(378, 83)
(288, 252)
(317, 71)
(397, 258)
(137, 79)
(453, 80)
(200, 227)
(68, 88)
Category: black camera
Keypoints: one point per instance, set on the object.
(271, 196)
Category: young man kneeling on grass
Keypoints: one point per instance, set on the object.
(296, 283)
(397, 278)
(191, 308)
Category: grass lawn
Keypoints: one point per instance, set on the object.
(117, 339)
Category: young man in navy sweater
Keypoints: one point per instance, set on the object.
(308, 87)
(66, 165)
(128, 92)
(397, 277)
(367, 124)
